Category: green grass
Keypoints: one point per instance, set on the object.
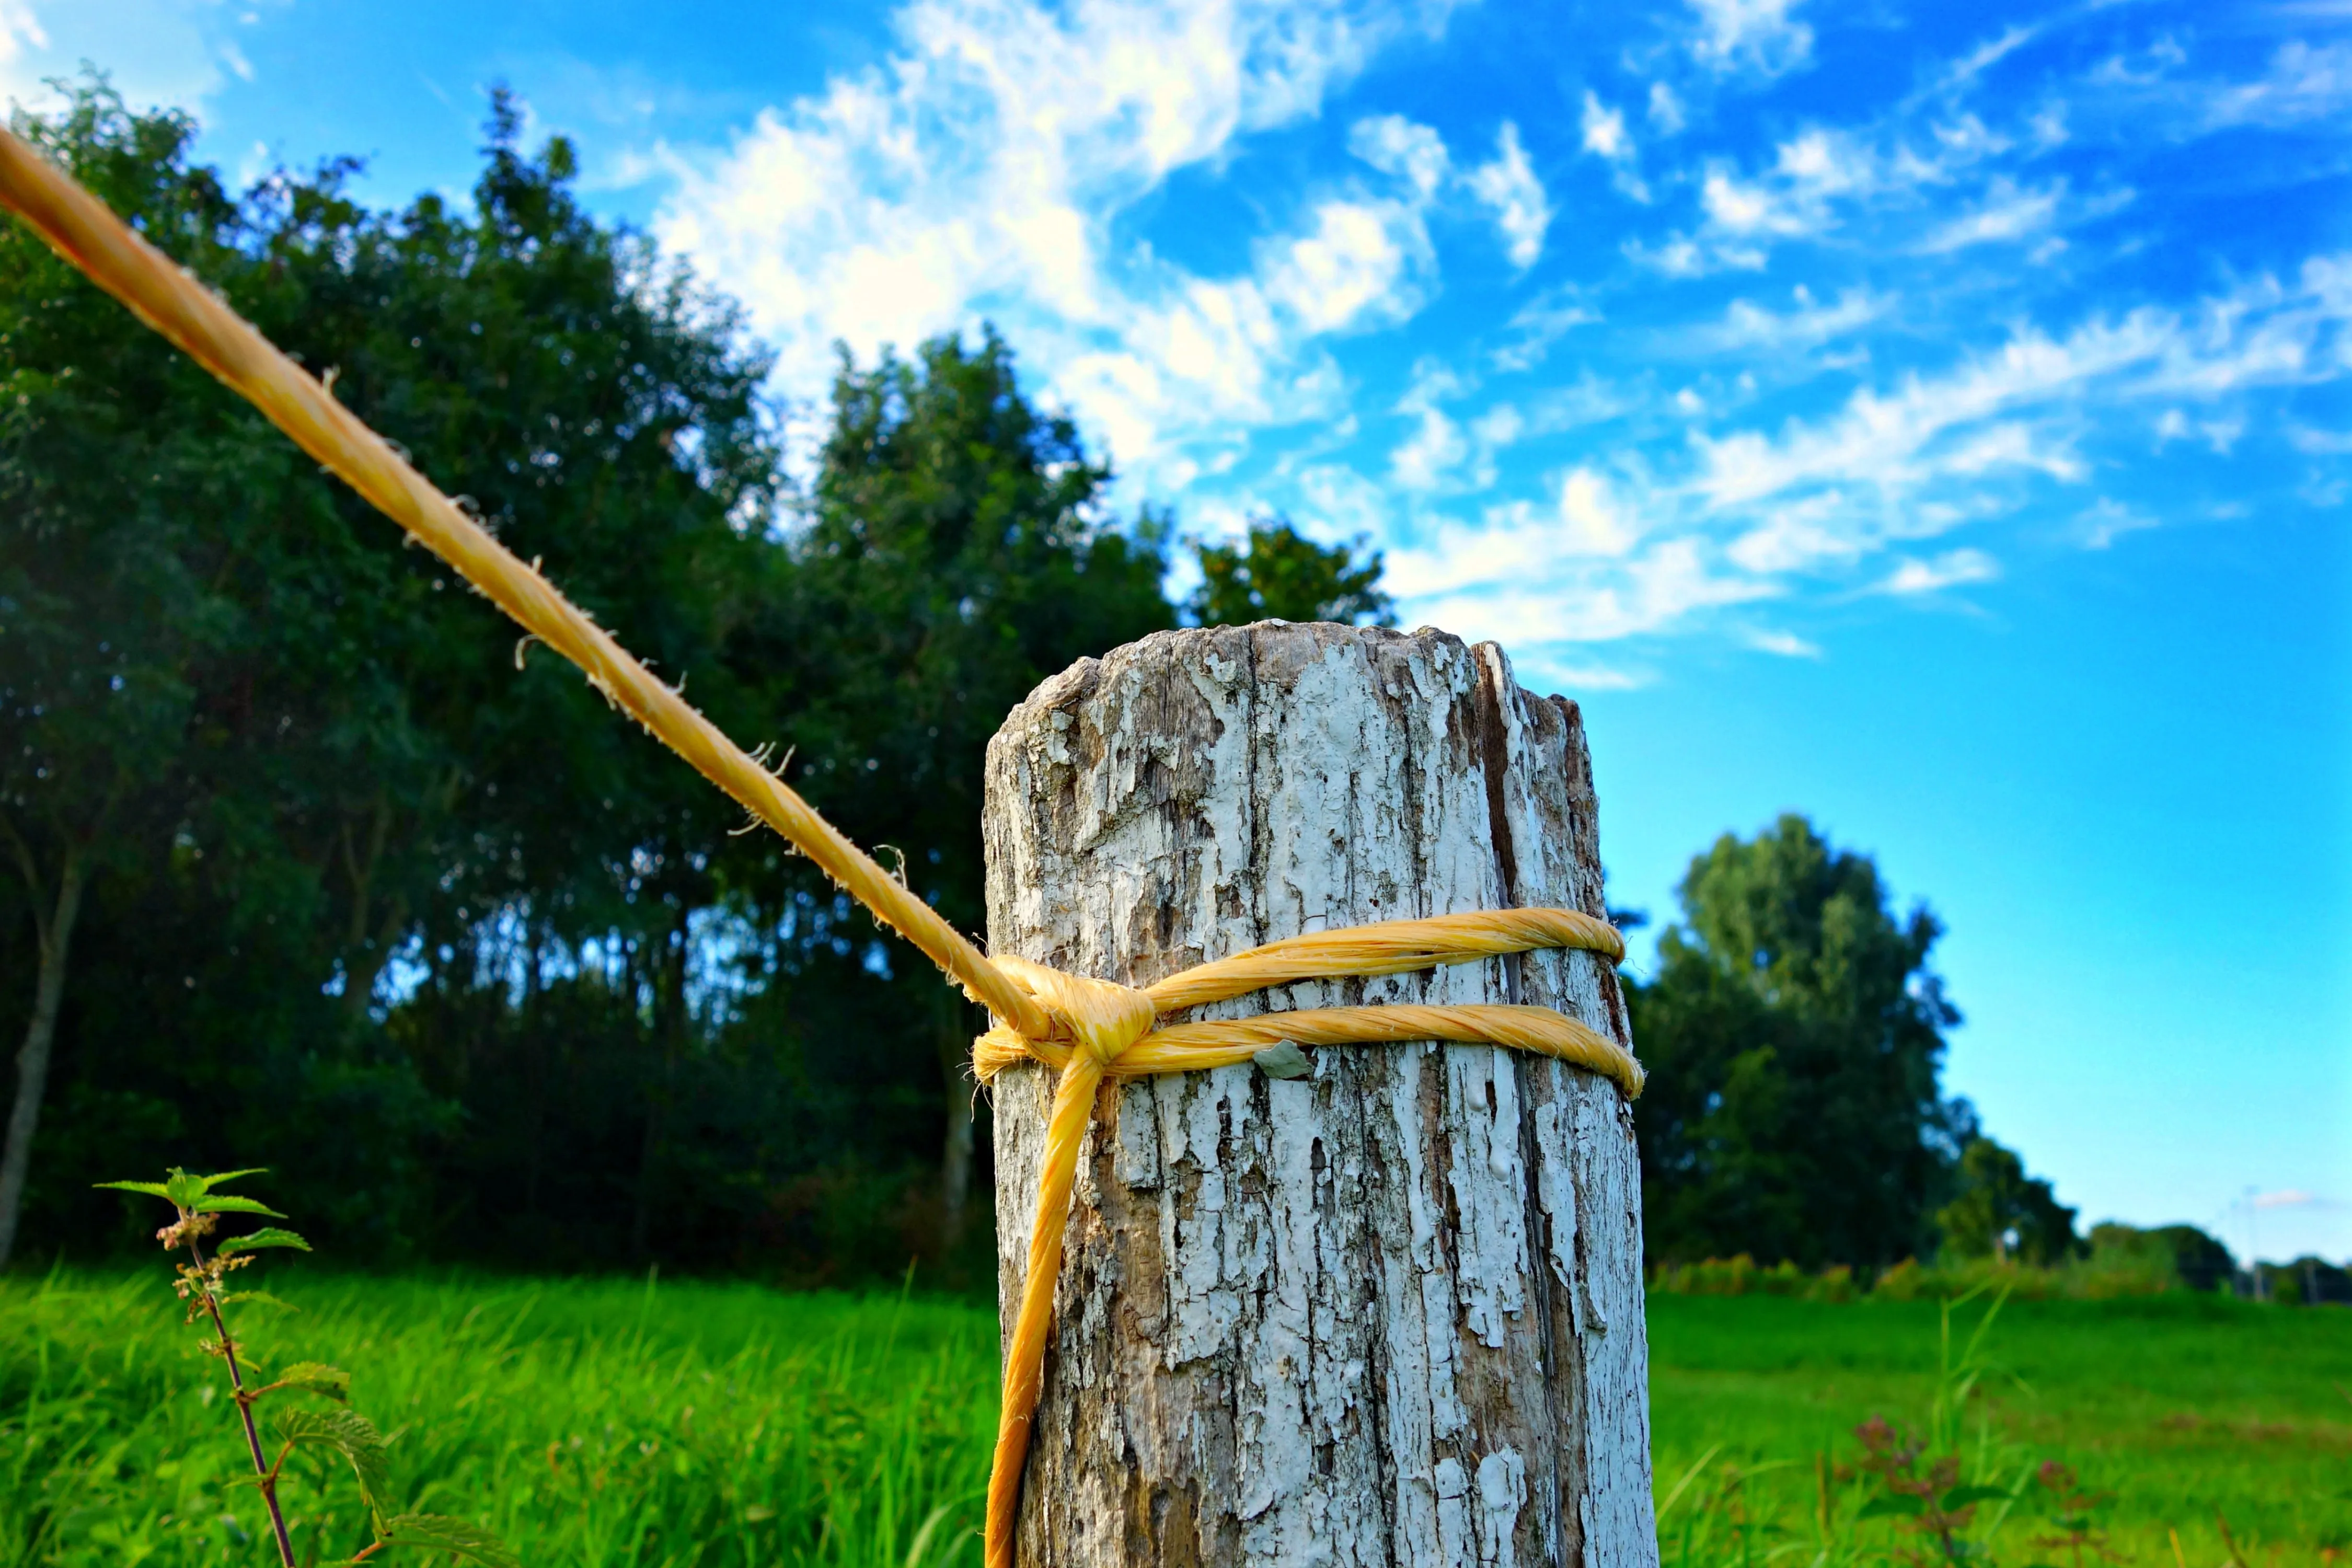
(610, 1422)
(2189, 1410)
(590, 1423)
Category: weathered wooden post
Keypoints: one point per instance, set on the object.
(1387, 1313)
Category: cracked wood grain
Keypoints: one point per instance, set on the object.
(1387, 1313)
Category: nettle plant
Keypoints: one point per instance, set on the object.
(202, 1285)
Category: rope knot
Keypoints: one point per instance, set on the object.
(1100, 1017)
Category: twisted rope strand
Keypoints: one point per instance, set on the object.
(1085, 1030)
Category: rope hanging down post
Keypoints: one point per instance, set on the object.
(1088, 1030)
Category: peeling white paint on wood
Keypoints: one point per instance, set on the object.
(1388, 1313)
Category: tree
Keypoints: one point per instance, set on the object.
(1280, 574)
(954, 553)
(2003, 1214)
(105, 620)
(299, 748)
(1793, 1034)
(2183, 1253)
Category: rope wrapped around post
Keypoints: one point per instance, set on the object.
(1086, 1030)
(1102, 1029)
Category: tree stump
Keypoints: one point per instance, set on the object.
(1387, 1313)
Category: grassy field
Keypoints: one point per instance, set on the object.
(613, 1422)
(2198, 1414)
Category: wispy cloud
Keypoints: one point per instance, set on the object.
(2007, 213)
(1507, 187)
(1763, 36)
(1798, 363)
(2290, 1198)
(1807, 323)
(179, 53)
(2304, 83)
(1543, 320)
(1786, 645)
(1953, 569)
(980, 168)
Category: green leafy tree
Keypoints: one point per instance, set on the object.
(310, 748)
(1280, 574)
(1793, 1035)
(2189, 1256)
(373, 865)
(956, 550)
(2001, 1213)
(108, 612)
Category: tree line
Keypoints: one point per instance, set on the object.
(315, 867)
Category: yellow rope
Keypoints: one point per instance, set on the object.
(1086, 1029)
(1102, 1029)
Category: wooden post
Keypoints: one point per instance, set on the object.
(1389, 1313)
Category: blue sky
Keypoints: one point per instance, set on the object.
(1934, 419)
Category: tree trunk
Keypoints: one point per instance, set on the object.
(1389, 1313)
(55, 933)
(668, 975)
(954, 1036)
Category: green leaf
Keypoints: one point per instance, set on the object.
(212, 1182)
(435, 1533)
(221, 1202)
(268, 1236)
(1962, 1497)
(1881, 1508)
(312, 1377)
(152, 1189)
(352, 1435)
(182, 1188)
(258, 1298)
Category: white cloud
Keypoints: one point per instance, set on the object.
(1541, 322)
(21, 32)
(2303, 83)
(1960, 424)
(1750, 34)
(1604, 128)
(1965, 71)
(2108, 521)
(1561, 600)
(1589, 677)
(1807, 323)
(1510, 188)
(2318, 442)
(1605, 136)
(1788, 644)
(1798, 537)
(1593, 522)
(1679, 255)
(1350, 266)
(1396, 145)
(1665, 109)
(2009, 213)
(1621, 552)
(1745, 210)
(1443, 451)
(1345, 502)
(1435, 450)
(1797, 197)
(1953, 569)
(175, 53)
(978, 172)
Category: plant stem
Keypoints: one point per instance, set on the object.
(269, 1484)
